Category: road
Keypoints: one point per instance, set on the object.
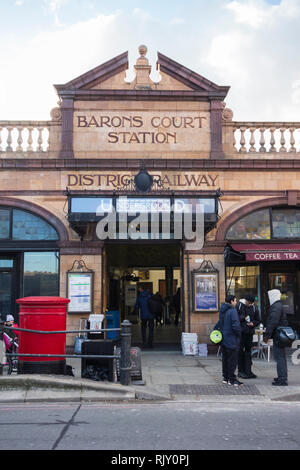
(153, 426)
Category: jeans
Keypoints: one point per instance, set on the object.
(229, 363)
(280, 358)
(150, 323)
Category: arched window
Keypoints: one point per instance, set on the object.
(267, 224)
(29, 258)
(16, 224)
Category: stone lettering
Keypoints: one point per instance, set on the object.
(118, 180)
(159, 129)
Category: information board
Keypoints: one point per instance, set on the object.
(79, 291)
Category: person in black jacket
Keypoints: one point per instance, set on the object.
(156, 306)
(250, 319)
(277, 317)
(231, 331)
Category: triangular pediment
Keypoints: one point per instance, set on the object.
(184, 75)
(103, 73)
(174, 77)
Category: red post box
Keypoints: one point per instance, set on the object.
(43, 314)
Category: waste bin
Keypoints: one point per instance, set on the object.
(43, 314)
(95, 322)
(98, 368)
(112, 321)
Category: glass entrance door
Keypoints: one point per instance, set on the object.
(7, 287)
(286, 283)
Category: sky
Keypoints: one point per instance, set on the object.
(250, 45)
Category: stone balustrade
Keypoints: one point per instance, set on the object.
(261, 137)
(255, 138)
(24, 136)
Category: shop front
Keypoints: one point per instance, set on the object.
(263, 253)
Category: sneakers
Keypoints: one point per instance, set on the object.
(280, 383)
(225, 381)
(243, 375)
(235, 383)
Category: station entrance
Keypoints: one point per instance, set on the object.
(156, 268)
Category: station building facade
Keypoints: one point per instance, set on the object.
(130, 147)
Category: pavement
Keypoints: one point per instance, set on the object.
(167, 376)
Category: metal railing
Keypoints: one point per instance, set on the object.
(124, 356)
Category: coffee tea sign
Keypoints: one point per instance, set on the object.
(127, 131)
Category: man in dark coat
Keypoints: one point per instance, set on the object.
(277, 317)
(250, 319)
(147, 318)
(156, 306)
(177, 305)
(231, 331)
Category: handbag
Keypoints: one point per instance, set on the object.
(216, 335)
(284, 336)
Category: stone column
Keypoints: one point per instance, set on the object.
(216, 109)
(67, 111)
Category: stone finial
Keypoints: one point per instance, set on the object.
(55, 114)
(143, 70)
(143, 50)
(227, 114)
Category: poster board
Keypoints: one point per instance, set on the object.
(205, 292)
(80, 287)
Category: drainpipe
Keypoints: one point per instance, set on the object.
(182, 288)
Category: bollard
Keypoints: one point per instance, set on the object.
(125, 363)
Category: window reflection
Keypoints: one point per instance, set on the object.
(27, 226)
(41, 274)
(286, 223)
(255, 226)
(242, 280)
(4, 223)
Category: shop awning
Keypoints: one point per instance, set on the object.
(269, 251)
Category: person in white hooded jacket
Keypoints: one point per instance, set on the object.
(277, 317)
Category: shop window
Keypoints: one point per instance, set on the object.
(255, 226)
(41, 274)
(286, 223)
(27, 226)
(242, 280)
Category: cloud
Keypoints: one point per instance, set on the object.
(258, 59)
(177, 21)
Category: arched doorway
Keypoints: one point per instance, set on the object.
(29, 256)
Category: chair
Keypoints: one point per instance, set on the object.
(267, 346)
(259, 349)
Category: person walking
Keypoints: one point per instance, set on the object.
(230, 326)
(250, 319)
(156, 306)
(147, 318)
(277, 317)
(177, 306)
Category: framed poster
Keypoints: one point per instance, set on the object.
(205, 291)
(80, 291)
